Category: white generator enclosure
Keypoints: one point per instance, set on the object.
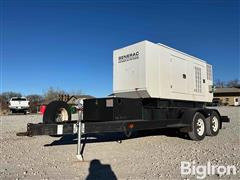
(149, 70)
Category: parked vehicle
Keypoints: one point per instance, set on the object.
(19, 105)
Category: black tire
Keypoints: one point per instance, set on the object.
(198, 131)
(213, 124)
(51, 114)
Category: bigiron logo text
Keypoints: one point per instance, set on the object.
(128, 57)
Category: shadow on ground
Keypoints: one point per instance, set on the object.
(99, 171)
(109, 137)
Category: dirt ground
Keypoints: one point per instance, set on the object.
(154, 155)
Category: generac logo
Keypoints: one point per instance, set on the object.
(128, 57)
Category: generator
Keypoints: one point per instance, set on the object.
(150, 70)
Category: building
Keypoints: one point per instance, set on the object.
(227, 96)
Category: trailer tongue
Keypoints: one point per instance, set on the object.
(155, 87)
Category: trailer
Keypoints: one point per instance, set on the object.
(154, 87)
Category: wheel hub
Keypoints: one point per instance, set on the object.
(215, 124)
(200, 127)
(62, 115)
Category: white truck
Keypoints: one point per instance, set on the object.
(19, 105)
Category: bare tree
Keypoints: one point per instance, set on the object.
(8, 95)
(35, 101)
(233, 83)
(230, 83)
(3, 103)
(219, 83)
(52, 94)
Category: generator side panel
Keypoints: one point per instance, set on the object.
(209, 82)
(183, 77)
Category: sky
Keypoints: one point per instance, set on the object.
(69, 44)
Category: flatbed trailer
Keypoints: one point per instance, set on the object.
(144, 117)
(154, 87)
(126, 126)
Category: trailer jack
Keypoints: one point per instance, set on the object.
(72, 127)
(80, 147)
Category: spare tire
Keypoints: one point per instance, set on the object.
(57, 111)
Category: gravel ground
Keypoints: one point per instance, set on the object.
(156, 155)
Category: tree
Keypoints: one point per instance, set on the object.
(35, 98)
(35, 101)
(52, 94)
(233, 83)
(219, 83)
(8, 95)
(3, 103)
(230, 83)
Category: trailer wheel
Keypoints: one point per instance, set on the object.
(198, 127)
(213, 124)
(57, 111)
